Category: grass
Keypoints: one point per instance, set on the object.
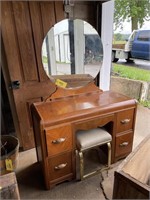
(44, 59)
(131, 72)
(145, 103)
(119, 42)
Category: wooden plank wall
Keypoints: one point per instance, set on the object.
(24, 26)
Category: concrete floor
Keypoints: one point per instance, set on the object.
(30, 180)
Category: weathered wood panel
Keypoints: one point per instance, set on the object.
(36, 21)
(23, 33)
(24, 26)
(9, 187)
(25, 40)
(133, 175)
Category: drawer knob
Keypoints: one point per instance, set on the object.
(58, 141)
(61, 166)
(125, 121)
(124, 144)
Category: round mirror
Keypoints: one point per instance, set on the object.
(72, 53)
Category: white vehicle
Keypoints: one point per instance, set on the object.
(137, 47)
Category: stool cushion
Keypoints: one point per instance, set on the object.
(90, 138)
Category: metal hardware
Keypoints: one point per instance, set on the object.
(61, 166)
(68, 8)
(125, 121)
(58, 141)
(109, 154)
(69, 2)
(124, 144)
(81, 165)
(97, 171)
(15, 85)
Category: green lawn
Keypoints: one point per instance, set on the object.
(145, 103)
(119, 42)
(44, 59)
(131, 72)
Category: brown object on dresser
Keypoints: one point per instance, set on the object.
(57, 120)
(132, 179)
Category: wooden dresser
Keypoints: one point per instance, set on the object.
(132, 178)
(56, 121)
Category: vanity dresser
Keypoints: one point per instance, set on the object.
(78, 105)
(57, 120)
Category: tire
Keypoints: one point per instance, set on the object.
(113, 59)
(129, 61)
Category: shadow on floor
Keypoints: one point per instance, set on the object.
(31, 183)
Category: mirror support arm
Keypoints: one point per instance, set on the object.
(72, 53)
(68, 8)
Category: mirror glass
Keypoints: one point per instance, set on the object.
(72, 53)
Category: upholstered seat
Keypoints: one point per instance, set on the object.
(88, 139)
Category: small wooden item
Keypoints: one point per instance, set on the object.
(132, 179)
(9, 186)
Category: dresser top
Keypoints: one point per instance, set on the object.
(73, 107)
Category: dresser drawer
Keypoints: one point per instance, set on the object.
(60, 166)
(125, 120)
(58, 139)
(123, 144)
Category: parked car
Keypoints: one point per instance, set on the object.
(137, 47)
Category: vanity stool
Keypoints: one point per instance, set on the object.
(89, 139)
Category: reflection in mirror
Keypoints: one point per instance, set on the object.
(72, 52)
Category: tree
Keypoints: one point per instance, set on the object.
(118, 37)
(136, 11)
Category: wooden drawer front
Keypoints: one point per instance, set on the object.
(58, 139)
(125, 120)
(124, 144)
(94, 123)
(60, 166)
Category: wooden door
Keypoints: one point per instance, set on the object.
(24, 26)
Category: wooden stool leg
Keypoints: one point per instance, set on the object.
(81, 165)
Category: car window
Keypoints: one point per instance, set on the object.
(144, 36)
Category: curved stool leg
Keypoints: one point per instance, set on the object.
(109, 154)
(89, 139)
(81, 165)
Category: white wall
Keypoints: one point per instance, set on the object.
(106, 36)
